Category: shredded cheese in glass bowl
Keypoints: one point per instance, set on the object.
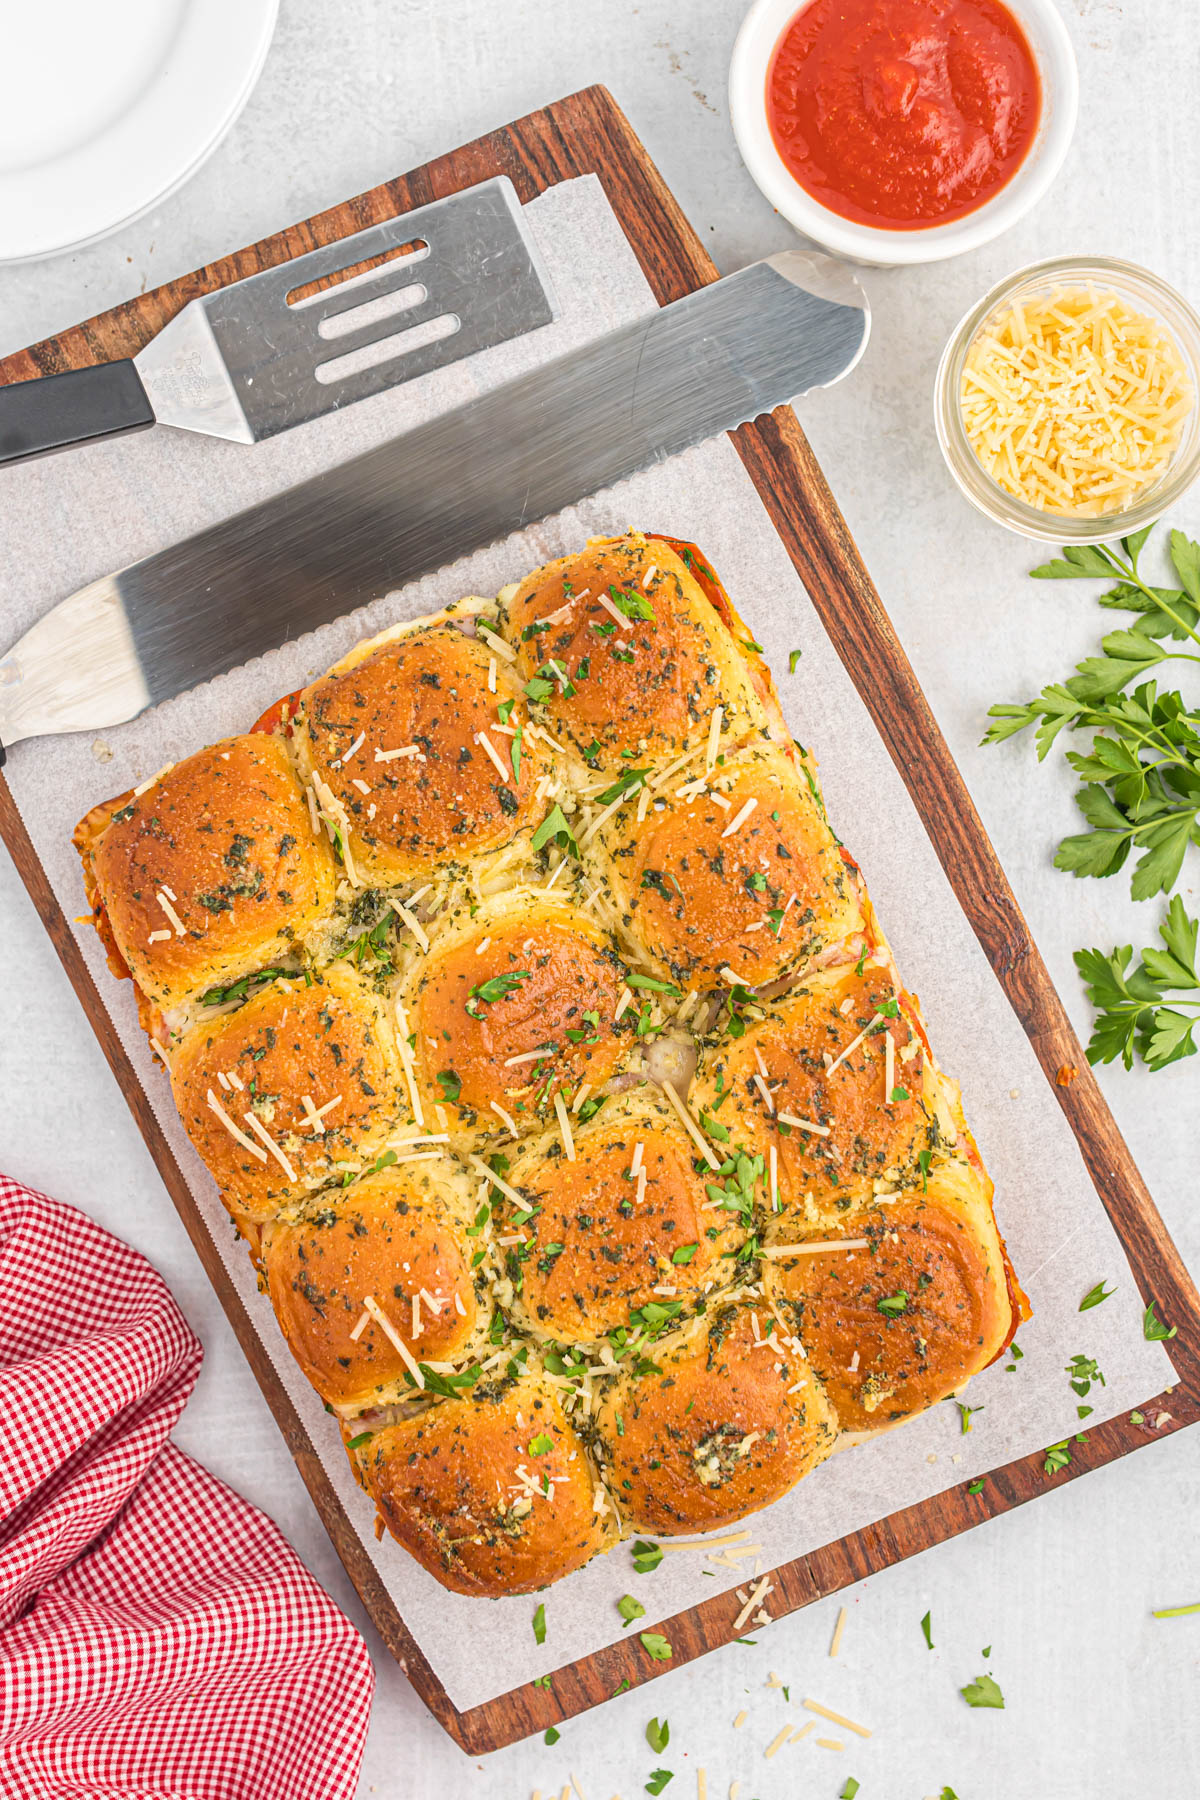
(1066, 400)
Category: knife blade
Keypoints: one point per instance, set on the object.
(707, 363)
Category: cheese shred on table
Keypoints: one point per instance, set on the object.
(1074, 402)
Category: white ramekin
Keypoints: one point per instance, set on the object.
(761, 31)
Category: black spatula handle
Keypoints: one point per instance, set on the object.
(59, 411)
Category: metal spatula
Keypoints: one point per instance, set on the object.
(246, 361)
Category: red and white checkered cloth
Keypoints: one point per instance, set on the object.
(159, 1638)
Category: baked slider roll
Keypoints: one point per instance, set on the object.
(624, 1223)
(837, 1079)
(492, 1492)
(406, 748)
(208, 872)
(916, 1303)
(511, 1007)
(621, 651)
(730, 1422)
(369, 1284)
(298, 1087)
(732, 873)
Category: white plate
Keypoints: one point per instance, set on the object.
(114, 107)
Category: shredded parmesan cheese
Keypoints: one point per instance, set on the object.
(815, 1706)
(779, 1250)
(257, 1126)
(804, 1124)
(231, 1128)
(564, 1126)
(838, 1629)
(739, 818)
(394, 1339)
(690, 1126)
(504, 651)
(1074, 402)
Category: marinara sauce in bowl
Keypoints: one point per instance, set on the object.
(898, 131)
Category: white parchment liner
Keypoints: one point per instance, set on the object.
(68, 519)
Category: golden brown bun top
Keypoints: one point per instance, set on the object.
(743, 876)
(528, 973)
(621, 1227)
(427, 691)
(835, 1129)
(649, 684)
(493, 1493)
(726, 1426)
(398, 1237)
(896, 1326)
(331, 1041)
(225, 839)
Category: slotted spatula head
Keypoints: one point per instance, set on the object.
(461, 274)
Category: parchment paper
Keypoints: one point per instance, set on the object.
(68, 519)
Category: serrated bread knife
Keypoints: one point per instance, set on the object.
(700, 366)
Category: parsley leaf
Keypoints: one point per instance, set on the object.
(982, 1692)
(893, 1305)
(793, 658)
(450, 1085)
(1095, 1297)
(554, 828)
(658, 1735)
(539, 1625)
(646, 1556)
(659, 1780)
(1153, 1328)
(499, 985)
(552, 1735)
(630, 1609)
(850, 1789)
(927, 1628)
(1145, 1009)
(541, 1445)
(656, 1645)
(1058, 1456)
(685, 1253)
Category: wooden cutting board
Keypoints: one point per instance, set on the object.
(588, 134)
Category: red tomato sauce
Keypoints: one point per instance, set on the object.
(903, 113)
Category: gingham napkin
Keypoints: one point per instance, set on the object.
(159, 1639)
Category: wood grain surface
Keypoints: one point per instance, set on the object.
(587, 134)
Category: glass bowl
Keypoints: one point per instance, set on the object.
(1141, 290)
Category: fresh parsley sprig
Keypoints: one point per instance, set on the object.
(1146, 1009)
(1141, 792)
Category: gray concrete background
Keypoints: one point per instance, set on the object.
(1101, 1699)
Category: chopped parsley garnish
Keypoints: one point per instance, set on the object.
(1095, 1297)
(965, 1415)
(1153, 1328)
(652, 986)
(552, 1735)
(541, 1445)
(634, 606)
(627, 782)
(982, 1692)
(646, 1556)
(539, 1625)
(659, 1780)
(450, 1085)
(685, 1253)
(894, 1304)
(658, 1735)
(630, 1609)
(927, 1628)
(554, 828)
(490, 991)
(356, 1443)
(656, 1646)
(793, 658)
